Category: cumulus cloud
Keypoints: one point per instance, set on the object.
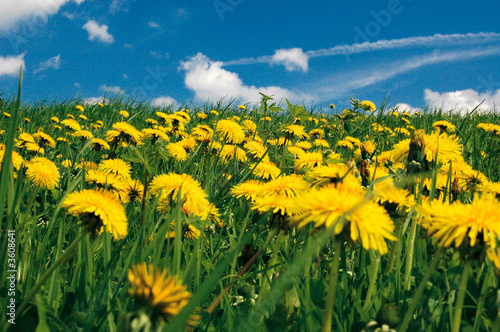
(93, 100)
(98, 32)
(293, 59)
(403, 107)
(10, 65)
(54, 63)
(462, 101)
(164, 101)
(12, 12)
(210, 81)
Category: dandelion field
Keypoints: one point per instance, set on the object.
(233, 218)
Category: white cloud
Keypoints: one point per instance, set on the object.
(79, 1)
(54, 62)
(99, 32)
(93, 100)
(210, 81)
(403, 107)
(164, 101)
(462, 101)
(154, 25)
(13, 12)
(346, 83)
(10, 65)
(293, 59)
(437, 40)
(111, 89)
(116, 6)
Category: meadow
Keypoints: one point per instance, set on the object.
(225, 217)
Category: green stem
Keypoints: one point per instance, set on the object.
(460, 297)
(484, 290)
(330, 296)
(272, 261)
(51, 269)
(409, 256)
(420, 290)
(392, 254)
(373, 279)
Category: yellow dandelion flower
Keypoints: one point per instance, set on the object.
(177, 151)
(202, 116)
(116, 166)
(188, 231)
(255, 149)
(155, 135)
(449, 148)
(71, 124)
(276, 203)
(321, 143)
(345, 144)
(230, 131)
(368, 105)
(288, 185)
(229, 152)
(334, 174)
(114, 183)
(249, 189)
(304, 145)
(249, 127)
(44, 139)
(99, 144)
(317, 133)
(164, 295)
(43, 173)
(364, 219)
(295, 130)
(66, 163)
(128, 133)
(54, 119)
(80, 108)
(83, 134)
(444, 126)
(125, 114)
(266, 170)
(202, 133)
(17, 160)
(467, 225)
(308, 160)
(97, 208)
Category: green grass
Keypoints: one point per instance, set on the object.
(290, 282)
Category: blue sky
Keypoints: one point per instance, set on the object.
(419, 52)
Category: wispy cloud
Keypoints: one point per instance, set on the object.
(154, 25)
(411, 42)
(111, 89)
(54, 63)
(344, 83)
(98, 32)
